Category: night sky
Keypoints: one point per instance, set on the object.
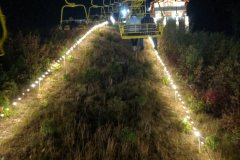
(207, 15)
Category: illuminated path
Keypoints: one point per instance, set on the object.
(180, 107)
(33, 97)
(52, 85)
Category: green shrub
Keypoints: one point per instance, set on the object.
(9, 89)
(128, 136)
(185, 126)
(70, 58)
(165, 80)
(196, 105)
(48, 127)
(212, 142)
(66, 77)
(7, 111)
(4, 101)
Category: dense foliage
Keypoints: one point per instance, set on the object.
(210, 64)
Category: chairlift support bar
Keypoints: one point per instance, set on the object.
(72, 5)
(4, 32)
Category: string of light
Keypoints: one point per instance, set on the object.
(58, 62)
(178, 97)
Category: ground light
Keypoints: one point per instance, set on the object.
(50, 70)
(188, 117)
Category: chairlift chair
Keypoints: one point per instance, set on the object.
(66, 24)
(107, 6)
(138, 31)
(96, 6)
(114, 5)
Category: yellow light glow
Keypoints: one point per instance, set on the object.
(33, 85)
(59, 60)
(187, 118)
(197, 133)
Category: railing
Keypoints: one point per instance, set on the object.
(4, 32)
(129, 31)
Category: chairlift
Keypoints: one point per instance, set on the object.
(96, 6)
(67, 24)
(114, 6)
(107, 6)
(141, 30)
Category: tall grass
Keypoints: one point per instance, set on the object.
(110, 108)
(27, 56)
(209, 63)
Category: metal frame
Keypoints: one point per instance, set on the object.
(137, 31)
(108, 6)
(72, 5)
(140, 31)
(4, 32)
(113, 3)
(95, 6)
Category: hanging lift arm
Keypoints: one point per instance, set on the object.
(72, 5)
(4, 32)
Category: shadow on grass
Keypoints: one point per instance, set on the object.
(108, 109)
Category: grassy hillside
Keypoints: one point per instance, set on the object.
(209, 63)
(110, 106)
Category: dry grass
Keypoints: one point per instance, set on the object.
(98, 114)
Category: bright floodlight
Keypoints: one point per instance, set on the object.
(124, 13)
(177, 21)
(186, 21)
(197, 133)
(33, 85)
(164, 21)
(112, 20)
(174, 87)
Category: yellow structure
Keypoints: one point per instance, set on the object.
(141, 30)
(96, 6)
(68, 22)
(4, 32)
(107, 6)
(114, 5)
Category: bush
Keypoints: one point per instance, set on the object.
(185, 126)
(212, 142)
(9, 89)
(128, 136)
(209, 62)
(48, 128)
